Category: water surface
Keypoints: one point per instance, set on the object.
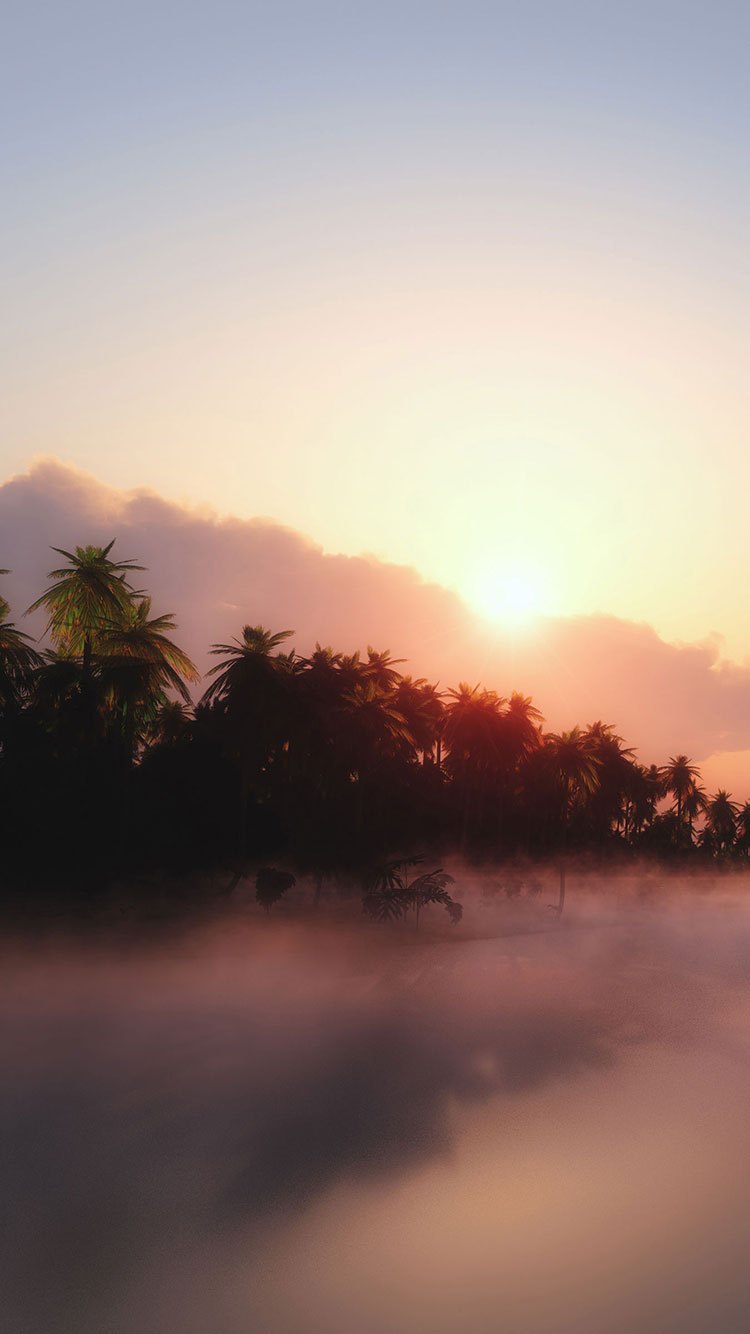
(300, 1128)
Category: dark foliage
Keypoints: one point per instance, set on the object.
(271, 886)
(328, 762)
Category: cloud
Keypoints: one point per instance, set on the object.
(217, 573)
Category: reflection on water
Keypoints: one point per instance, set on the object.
(287, 1130)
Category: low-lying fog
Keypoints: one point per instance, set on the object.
(311, 1127)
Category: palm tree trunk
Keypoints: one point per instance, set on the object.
(465, 819)
(126, 766)
(244, 798)
(561, 894)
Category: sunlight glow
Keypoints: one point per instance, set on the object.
(507, 595)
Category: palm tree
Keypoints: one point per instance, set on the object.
(171, 723)
(616, 764)
(249, 689)
(643, 788)
(743, 829)
(721, 820)
(18, 660)
(679, 777)
(473, 733)
(390, 895)
(695, 804)
(249, 661)
(576, 766)
(373, 729)
(520, 728)
(379, 725)
(351, 669)
(520, 737)
(90, 593)
(380, 668)
(435, 709)
(141, 663)
(420, 704)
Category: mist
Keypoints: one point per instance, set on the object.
(320, 1124)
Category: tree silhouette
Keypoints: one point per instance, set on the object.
(89, 594)
(575, 765)
(250, 692)
(614, 778)
(679, 777)
(140, 663)
(380, 668)
(19, 660)
(390, 895)
(473, 733)
(331, 761)
(743, 829)
(420, 705)
(721, 820)
(271, 886)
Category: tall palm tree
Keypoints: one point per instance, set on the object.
(616, 763)
(373, 729)
(380, 668)
(519, 737)
(576, 766)
(141, 663)
(248, 661)
(171, 723)
(520, 728)
(379, 725)
(743, 829)
(679, 776)
(695, 804)
(250, 690)
(351, 669)
(89, 593)
(643, 788)
(18, 659)
(419, 703)
(473, 733)
(721, 819)
(434, 706)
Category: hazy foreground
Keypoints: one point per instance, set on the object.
(292, 1128)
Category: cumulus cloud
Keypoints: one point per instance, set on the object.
(218, 573)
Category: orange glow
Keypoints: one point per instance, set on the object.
(510, 595)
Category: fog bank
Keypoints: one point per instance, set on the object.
(295, 1127)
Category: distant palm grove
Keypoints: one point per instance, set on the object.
(331, 762)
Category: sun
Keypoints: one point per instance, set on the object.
(507, 595)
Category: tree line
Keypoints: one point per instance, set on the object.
(331, 761)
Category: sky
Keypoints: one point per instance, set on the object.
(462, 286)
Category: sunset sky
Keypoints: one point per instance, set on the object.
(462, 285)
